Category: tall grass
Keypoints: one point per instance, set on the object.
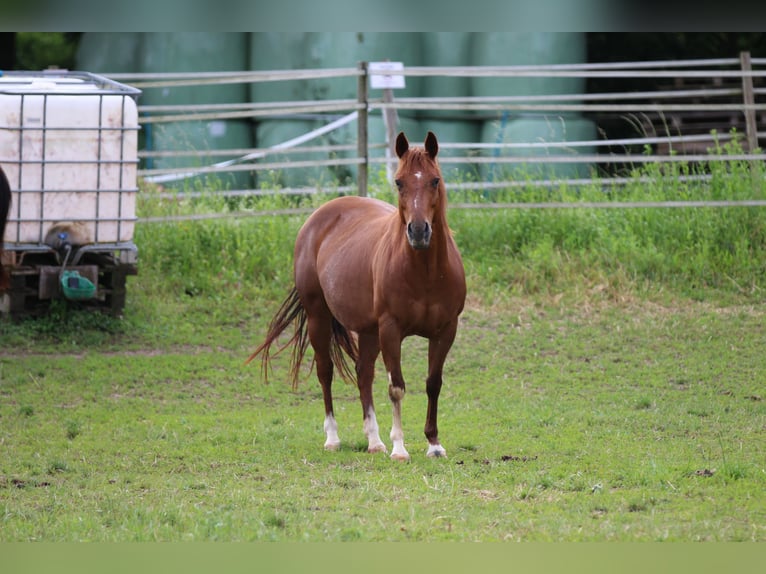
(689, 251)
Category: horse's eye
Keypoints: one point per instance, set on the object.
(435, 181)
(398, 183)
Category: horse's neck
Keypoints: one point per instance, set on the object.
(441, 235)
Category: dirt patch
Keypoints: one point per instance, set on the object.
(514, 458)
(503, 458)
(705, 472)
(79, 354)
(19, 483)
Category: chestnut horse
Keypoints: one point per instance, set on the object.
(5, 204)
(367, 275)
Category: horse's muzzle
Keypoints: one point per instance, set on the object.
(419, 234)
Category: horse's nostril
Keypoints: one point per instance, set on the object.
(419, 234)
(419, 228)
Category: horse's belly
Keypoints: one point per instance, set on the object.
(344, 233)
(347, 288)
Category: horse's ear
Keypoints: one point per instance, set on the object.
(402, 145)
(432, 146)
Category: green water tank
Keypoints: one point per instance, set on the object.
(278, 51)
(197, 52)
(450, 126)
(109, 52)
(272, 132)
(284, 51)
(347, 49)
(539, 131)
(527, 48)
(532, 48)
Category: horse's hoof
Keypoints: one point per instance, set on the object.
(377, 448)
(436, 451)
(403, 457)
(332, 446)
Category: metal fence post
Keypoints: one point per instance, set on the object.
(749, 100)
(751, 126)
(362, 147)
(391, 121)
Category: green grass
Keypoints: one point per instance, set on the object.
(634, 422)
(606, 384)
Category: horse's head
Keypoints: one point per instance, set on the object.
(421, 189)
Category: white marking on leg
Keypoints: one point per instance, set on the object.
(331, 430)
(398, 452)
(371, 431)
(436, 451)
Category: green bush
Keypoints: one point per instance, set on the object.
(688, 251)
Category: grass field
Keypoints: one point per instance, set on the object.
(613, 422)
(607, 383)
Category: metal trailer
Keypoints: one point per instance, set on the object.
(69, 148)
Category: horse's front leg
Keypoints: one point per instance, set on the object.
(438, 347)
(391, 346)
(365, 372)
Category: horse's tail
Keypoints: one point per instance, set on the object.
(292, 312)
(5, 204)
(343, 341)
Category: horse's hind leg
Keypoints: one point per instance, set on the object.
(320, 336)
(369, 350)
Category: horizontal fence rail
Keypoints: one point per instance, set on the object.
(664, 112)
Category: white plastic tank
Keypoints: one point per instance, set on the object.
(68, 144)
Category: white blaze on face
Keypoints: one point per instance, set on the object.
(418, 175)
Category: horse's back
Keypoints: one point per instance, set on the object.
(342, 223)
(350, 210)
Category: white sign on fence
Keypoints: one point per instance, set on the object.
(383, 75)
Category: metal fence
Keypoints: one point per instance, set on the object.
(659, 111)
